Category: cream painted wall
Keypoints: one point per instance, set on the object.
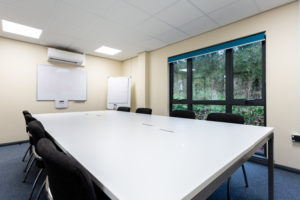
(282, 72)
(138, 69)
(130, 68)
(18, 72)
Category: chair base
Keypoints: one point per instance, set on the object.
(41, 189)
(28, 150)
(28, 162)
(27, 172)
(35, 182)
(229, 179)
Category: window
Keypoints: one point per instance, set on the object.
(228, 77)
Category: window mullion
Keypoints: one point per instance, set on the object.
(171, 87)
(189, 83)
(264, 79)
(229, 80)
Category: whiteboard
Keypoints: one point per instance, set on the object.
(57, 83)
(118, 92)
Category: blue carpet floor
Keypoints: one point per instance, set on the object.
(287, 184)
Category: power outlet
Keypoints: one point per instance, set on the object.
(296, 137)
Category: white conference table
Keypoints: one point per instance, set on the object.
(137, 156)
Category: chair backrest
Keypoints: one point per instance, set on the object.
(144, 111)
(36, 129)
(28, 118)
(26, 112)
(67, 179)
(183, 114)
(124, 109)
(226, 117)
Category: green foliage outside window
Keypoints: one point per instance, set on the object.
(179, 107)
(203, 110)
(209, 76)
(247, 71)
(180, 79)
(254, 115)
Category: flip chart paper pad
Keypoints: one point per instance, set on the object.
(55, 82)
(119, 91)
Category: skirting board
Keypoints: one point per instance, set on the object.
(264, 161)
(13, 143)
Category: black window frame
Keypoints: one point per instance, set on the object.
(229, 102)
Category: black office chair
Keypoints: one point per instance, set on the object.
(229, 118)
(66, 178)
(25, 112)
(124, 109)
(28, 119)
(144, 111)
(183, 114)
(226, 117)
(37, 132)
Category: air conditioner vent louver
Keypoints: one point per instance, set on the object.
(56, 55)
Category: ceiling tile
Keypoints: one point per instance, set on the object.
(211, 5)
(234, 12)
(72, 21)
(9, 1)
(199, 25)
(87, 45)
(269, 4)
(106, 31)
(32, 4)
(152, 6)
(37, 15)
(125, 14)
(130, 25)
(102, 29)
(180, 13)
(70, 15)
(152, 44)
(153, 27)
(66, 29)
(95, 6)
(57, 40)
(172, 36)
(135, 48)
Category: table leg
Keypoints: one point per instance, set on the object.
(271, 167)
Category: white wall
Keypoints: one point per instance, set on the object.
(18, 73)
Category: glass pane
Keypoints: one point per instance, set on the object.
(179, 107)
(180, 79)
(253, 115)
(203, 110)
(209, 76)
(247, 71)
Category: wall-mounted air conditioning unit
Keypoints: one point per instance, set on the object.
(56, 55)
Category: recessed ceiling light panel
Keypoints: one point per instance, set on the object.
(107, 50)
(20, 29)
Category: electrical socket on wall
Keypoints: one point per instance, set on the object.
(295, 137)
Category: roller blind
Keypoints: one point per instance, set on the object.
(226, 45)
